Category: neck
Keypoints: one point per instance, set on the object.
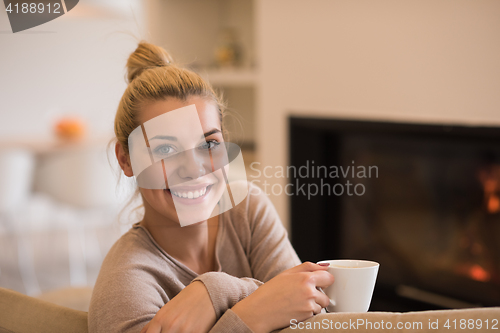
(192, 245)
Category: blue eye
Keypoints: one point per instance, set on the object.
(210, 144)
(164, 150)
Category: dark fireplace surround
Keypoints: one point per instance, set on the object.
(431, 218)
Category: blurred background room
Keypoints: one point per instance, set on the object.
(410, 86)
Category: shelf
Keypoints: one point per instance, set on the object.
(48, 145)
(195, 32)
(231, 77)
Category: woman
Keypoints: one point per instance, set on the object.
(232, 272)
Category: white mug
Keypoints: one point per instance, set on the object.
(353, 286)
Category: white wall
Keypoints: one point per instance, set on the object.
(73, 65)
(423, 61)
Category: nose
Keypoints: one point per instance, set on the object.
(192, 165)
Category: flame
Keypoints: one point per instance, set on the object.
(493, 204)
(490, 179)
(478, 273)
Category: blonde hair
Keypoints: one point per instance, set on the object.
(153, 76)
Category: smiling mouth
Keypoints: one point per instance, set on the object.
(191, 194)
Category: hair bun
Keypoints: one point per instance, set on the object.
(144, 57)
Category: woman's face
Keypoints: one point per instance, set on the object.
(184, 143)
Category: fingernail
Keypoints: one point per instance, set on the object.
(324, 264)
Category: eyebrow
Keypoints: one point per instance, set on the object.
(213, 131)
(173, 138)
(164, 137)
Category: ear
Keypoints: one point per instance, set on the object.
(124, 160)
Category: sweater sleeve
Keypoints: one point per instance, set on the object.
(226, 290)
(230, 323)
(124, 301)
(134, 283)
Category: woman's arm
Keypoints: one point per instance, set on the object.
(190, 311)
(269, 253)
(124, 301)
(292, 294)
(132, 301)
(226, 290)
(136, 286)
(290, 288)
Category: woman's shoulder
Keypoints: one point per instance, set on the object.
(254, 210)
(132, 239)
(248, 198)
(131, 282)
(132, 250)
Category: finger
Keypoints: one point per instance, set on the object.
(321, 299)
(317, 309)
(322, 279)
(145, 328)
(154, 327)
(308, 267)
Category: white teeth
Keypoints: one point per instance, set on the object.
(190, 195)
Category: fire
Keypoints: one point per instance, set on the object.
(478, 273)
(493, 205)
(473, 271)
(490, 179)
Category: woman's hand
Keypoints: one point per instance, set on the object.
(190, 311)
(293, 294)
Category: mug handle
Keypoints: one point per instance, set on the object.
(332, 303)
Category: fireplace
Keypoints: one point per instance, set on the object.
(429, 212)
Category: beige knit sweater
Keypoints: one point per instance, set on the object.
(138, 277)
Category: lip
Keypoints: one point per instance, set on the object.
(186, 201)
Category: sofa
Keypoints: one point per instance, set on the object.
(24, 314)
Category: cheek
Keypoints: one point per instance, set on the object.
(219, 178)
(146, 194)
(153, 197)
